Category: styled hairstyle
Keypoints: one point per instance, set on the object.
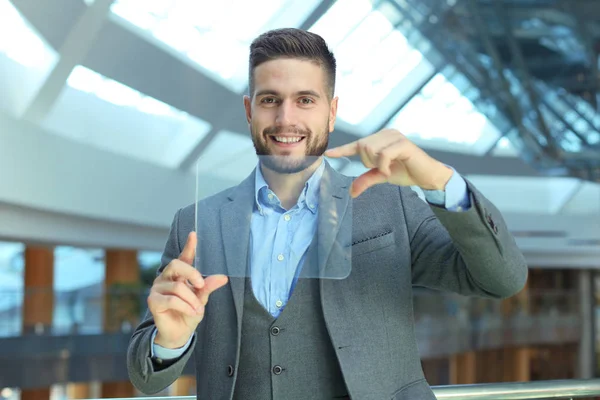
(292, 43)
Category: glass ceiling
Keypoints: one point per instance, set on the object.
(116, 93)
(373, 57)
(98, 111)
(25, 60)
(19, 42)
(440, 117)
(214, 35)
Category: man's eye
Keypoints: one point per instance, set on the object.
(306, 100)
(268, 100)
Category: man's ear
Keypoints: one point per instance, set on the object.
(248, 107)
(333, 113)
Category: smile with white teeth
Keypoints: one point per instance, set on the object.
(285, 139)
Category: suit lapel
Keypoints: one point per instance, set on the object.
(236, 217)
(334, 227)
(334, 231)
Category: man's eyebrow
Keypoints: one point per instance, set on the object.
(269, 92)
(308, 93)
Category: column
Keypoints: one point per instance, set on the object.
(122, 285)
(463, 368)
(184, 386)
(122, 302)
(516, 360)
(38, 302)
(517, 364)
(78, 391)
(586, 351)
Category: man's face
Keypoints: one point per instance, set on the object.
(290, 114)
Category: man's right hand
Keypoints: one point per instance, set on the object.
(178, 297)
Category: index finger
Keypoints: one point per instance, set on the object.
(189, 250)
(345, 150)
(178, 270)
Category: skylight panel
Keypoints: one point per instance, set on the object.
(214, 35)
(19, 42)
(441, 117)
(88, 81)
(373, 57)
(106, 114)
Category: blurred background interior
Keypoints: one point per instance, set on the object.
(108, 107)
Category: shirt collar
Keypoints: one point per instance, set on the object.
(309, 197)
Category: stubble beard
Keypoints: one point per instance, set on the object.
(288, 164)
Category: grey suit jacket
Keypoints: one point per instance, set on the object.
(398, 241)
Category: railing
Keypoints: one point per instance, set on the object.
(563, 389)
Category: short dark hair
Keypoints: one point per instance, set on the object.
(292, 43)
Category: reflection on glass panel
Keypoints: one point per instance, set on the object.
(441, 117)
(216, 35)
(373, 56)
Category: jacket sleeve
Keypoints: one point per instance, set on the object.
(147, 375)
(470, 252)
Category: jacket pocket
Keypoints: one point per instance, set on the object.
(417, 390)
(372, 244)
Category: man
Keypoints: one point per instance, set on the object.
(333, 338)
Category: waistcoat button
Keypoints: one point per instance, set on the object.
(277, 370)
(230, 370)
(275, 331)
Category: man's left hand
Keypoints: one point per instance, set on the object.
(394, 159)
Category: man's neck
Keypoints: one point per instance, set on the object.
(287, 187)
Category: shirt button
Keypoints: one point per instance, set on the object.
(277, 370)
(280, 257)
(287, 217)
(279, 303)
(270, 196)
(311, 205)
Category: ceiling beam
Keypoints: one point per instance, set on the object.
(521, 67)
(71, 53)
(120, 54)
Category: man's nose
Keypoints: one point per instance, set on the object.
(286, 114)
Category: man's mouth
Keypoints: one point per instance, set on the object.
(286, 141)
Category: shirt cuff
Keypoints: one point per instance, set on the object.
(157, 351)
(454, 197)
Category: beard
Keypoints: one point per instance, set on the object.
(316, 144)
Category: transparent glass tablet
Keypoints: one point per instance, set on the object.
(306, 235)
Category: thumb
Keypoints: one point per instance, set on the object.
(212, 283)
(189, 251)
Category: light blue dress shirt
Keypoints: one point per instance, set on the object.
(280, 238)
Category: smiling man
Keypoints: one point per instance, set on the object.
(279, 334)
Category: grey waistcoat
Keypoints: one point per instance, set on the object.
(290, 357)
